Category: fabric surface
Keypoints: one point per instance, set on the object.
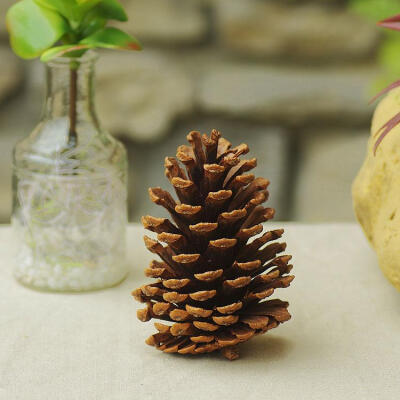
(343, 341)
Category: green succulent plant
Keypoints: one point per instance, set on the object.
(54, 28)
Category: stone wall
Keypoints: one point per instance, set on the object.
(290, 78)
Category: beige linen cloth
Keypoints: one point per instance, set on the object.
(343, 341)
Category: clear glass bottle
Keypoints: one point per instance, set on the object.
(69, 186)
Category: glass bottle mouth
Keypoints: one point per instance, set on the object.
(90, 57)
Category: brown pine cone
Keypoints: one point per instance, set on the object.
(218, 268)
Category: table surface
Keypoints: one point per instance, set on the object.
(343, 341)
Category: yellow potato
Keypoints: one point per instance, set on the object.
(376, 191)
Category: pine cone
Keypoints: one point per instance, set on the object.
(217, 267)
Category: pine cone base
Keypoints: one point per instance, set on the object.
(218, 268)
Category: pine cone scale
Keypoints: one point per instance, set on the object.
(218, 268)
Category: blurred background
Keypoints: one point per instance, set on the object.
(290, 78)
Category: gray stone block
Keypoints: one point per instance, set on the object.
(297, 31)
(4, 6)
(327, 165)
(168, 22)
(11, 75)
(289, 96)
(141, 95)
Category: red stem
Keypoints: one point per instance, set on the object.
(73, 137)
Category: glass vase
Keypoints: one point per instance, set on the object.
(69, 189)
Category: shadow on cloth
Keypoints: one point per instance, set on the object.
(266, 348)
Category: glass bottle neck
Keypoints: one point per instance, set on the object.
(70, 91)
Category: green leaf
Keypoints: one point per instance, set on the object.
(84, 6)
(91, 3)
(112, 9)
(33, 28)
(65, 7)
(73, 10)
(75, 50)
(96, 18)
(92, 22)
(112, 38)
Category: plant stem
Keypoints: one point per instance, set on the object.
(73, 88)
